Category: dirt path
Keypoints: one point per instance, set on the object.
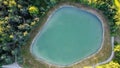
(112, 54)
(14, 65)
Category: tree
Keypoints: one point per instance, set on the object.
(33, 10)
(111, 64)
(53, 2)
(8, 60)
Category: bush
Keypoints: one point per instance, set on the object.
(33, 10)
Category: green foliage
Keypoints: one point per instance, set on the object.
(15, 24)
(106, 6)
(33, 10)
(53, 2)
(117, 53)
(111, 64)
(117, 57)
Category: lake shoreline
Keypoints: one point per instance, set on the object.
(106, 34)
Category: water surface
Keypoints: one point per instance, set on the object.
(69, 35)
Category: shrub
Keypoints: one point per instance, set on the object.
(11, 36)
(25, 33)
(53, 2)
(117, 3)
(111, 64)
(33, 10)
(25, 13)
(117, 53)
(12, 3)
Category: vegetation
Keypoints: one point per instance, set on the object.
(112, 11)
(116, 61)
(19, 17)
(117, 48)
(15, 25)
(117, 3)
(33, 10)
(111, 64)
(117, 53)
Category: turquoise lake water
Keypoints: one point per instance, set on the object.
(69, 35)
